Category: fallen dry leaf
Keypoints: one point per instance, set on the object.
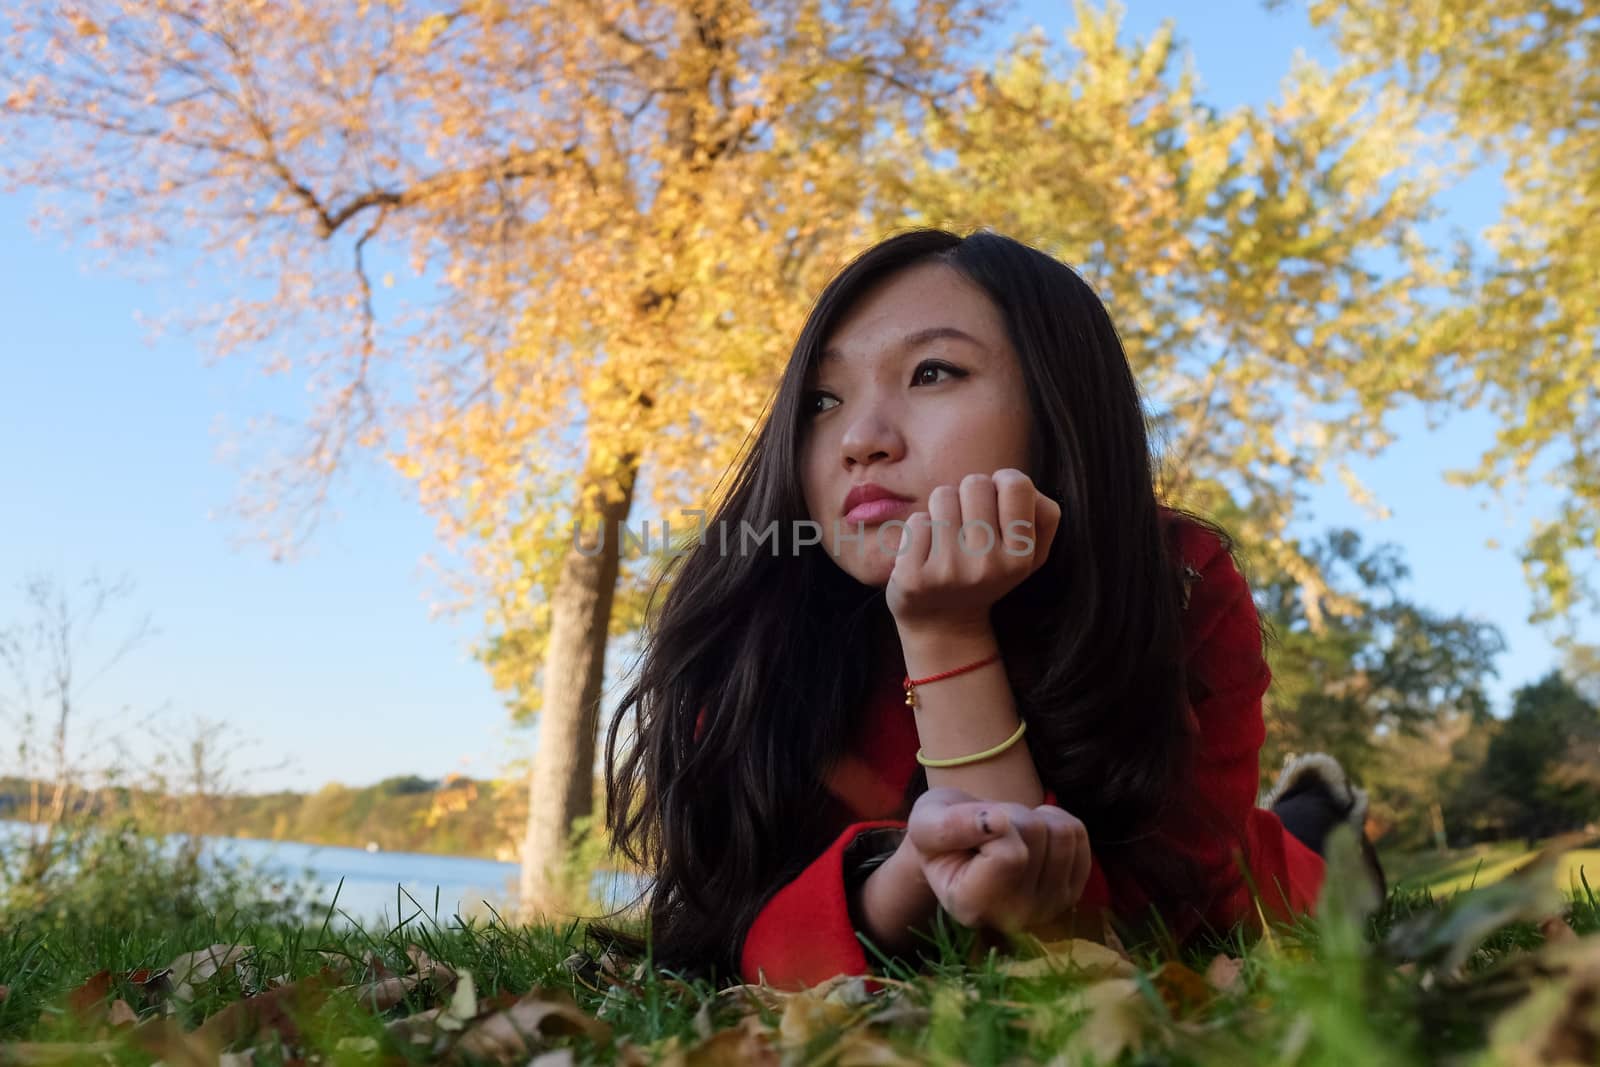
(463, 1006)
(755, 997)
(163, 1038)
(847, 989)
(338, 962)
(514, 1033)
(442, 976)
(43, 1053)
(195, 968)
(1182, 990)
(1116, 1015)
(1072, 956)
(807, 1015)
(1225, 973)
(556, 1057)
(276, 1011)
(385, 993)
(430, 1027)
(1557, 1023)
(121, 1013)
(861, 1048)
(419, 1028)
(747, 1044)
(899, 1009)
(702, 1021)
(357, 1044)
(87, 1004)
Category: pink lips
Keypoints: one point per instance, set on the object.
(874, 503)
(880, 510)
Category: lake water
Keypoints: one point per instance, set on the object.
(383, 887)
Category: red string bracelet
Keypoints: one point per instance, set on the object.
(911, 686)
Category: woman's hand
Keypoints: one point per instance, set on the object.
(1003, 866)
(944, 577)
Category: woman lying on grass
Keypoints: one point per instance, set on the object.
(979, 667)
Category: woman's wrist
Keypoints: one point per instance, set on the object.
(935, 648)
(895, 901)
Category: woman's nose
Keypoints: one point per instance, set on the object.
(871, 437)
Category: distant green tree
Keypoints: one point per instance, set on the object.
(1356, 681)
(406, 785)
(1542, 769)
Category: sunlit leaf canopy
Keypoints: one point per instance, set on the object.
(1516, 86)
(1263, 266)
(620, 212)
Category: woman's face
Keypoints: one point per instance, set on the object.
(917, 387)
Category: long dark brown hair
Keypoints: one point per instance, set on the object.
(773, 647)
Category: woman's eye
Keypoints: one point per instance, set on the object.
(920, 375)
(814, 401)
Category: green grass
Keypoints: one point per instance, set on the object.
(1448, 872)
(1431, 976)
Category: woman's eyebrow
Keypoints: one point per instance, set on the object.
(916, 339)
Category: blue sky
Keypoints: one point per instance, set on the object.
(334, 662)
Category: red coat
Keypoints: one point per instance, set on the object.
(803, 935)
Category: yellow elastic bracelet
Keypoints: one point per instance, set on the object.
(956, 761)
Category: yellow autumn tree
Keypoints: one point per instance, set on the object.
(1263, 265)
(1516, 87)
(621, 208)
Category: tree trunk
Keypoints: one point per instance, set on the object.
(561, 787)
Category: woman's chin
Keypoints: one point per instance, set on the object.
(869, 570)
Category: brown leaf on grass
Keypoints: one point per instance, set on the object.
(276, 1011)
(1225, 973)
(556, 1057)
(747, 1044)
(385, 993)
(419, 1028)
(5, 991)
(87, 1004)
(630, 1055)
(338, 962)
(755, 997)
(1116, 1016)
(702, 1021)
(431, 1026)
(861, 1048)
(463, 1006)
(48, 1053)
(899, 1009)
(1557, 1023)
(121, 1013)
(1072, 956)
(1445, 940)
(807, 1015)
(1182, 990)
(512, 1034)
(441, 975)
(164, 1039)
(364, 1044)
(196, 968)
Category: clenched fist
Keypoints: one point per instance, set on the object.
(975, 543)
(999, 865)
